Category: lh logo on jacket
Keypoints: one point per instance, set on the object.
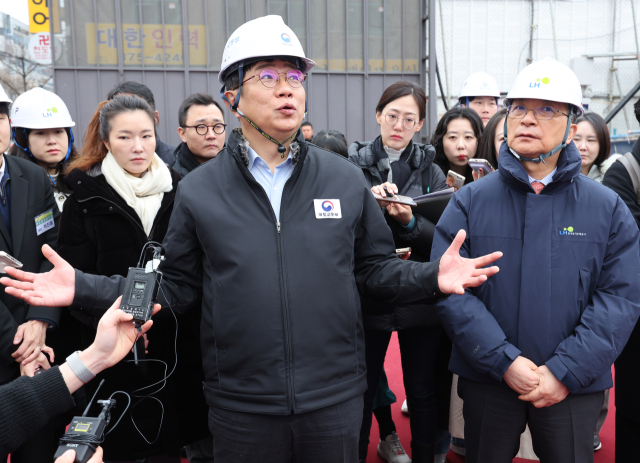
(327, 208)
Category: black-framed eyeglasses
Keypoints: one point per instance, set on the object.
(542, 113)
(407, 123)
(270, 78)
(202, 129)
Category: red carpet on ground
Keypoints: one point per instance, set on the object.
(394, 375)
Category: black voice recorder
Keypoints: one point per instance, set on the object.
(86, 433)
(140, 293)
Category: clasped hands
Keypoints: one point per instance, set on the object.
(535, 384)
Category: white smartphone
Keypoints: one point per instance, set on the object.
(481, 164)
(402, 251)
(455, 180)
(8, 261)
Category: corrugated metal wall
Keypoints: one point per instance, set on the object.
(360, 47)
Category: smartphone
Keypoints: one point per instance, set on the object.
(481, 164)
(402, 251)
(454, 180)
(7, 261)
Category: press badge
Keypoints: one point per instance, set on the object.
(327, 208)
(44, 222)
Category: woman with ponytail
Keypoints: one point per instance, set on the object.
(123, 196)
(42, 134)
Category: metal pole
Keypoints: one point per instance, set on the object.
(635, 31)
(444, 57)
(623, 102)
(624, 111)
(613, 46)
(446, 103)
(552, 8)
(530, 58)
(432, 109)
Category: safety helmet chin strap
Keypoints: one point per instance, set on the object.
(542, 157)
(28, 151)
(234, 107)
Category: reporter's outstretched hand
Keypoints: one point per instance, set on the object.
(70, 455)
(115, 337)
(457, 273)
(54, 288)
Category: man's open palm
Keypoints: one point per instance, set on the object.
(55, 288)
(457, 273)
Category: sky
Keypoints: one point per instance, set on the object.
(19, 9)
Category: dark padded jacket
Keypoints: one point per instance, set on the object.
(627, 373)
(281, 327)
(567, 295)
(100, 233)
(426, 177)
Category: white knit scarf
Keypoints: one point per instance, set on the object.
(143, 194)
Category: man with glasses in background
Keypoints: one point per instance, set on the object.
(202, 131)
(535, 344)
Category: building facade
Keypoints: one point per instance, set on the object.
(175, 48)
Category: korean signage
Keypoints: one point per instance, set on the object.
(40, 48)
(38, 16)
(155, 44)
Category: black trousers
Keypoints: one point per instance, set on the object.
(494, 419)
(418, 349)
(327, 435)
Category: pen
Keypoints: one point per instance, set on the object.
(389, 195)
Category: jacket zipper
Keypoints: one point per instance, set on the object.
(287, 341)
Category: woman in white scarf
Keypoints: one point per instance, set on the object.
(123, 196)
(143, 186)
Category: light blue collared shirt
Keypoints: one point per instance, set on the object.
(273, 184)
(545, 181)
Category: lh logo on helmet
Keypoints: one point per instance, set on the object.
(544, 80)
(49, 111)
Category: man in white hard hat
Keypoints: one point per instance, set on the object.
(276, 237)
(28, 220)
(480, 92)
(536, 343)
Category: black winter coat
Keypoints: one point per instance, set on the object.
(281, 327)
(101, 234)
(627, 373)
(185, 161)
(426, 177)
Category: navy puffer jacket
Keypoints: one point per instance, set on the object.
(567, 294)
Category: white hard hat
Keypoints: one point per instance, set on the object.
(40, 109)
(266, 36)
(479, 84)
(548, 80)
(4, 98)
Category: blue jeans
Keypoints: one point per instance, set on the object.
(327, 435)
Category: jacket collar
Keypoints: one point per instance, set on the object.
(513, 173)
(92, 183)
(186, 158)
(238, 146)
(362, 155)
